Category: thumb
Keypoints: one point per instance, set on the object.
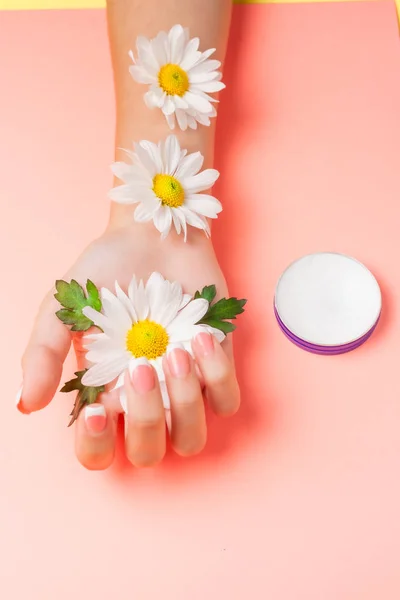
(43, 358)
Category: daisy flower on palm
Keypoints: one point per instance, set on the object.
(137, 327)
(142, 324)
(167, 185)
(180, 77)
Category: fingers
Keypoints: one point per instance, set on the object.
(96, 430)
(188, 420)
(145, 421)
(43, 359)
(219, 374)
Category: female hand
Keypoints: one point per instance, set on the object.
(119, 253)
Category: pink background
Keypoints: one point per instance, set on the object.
(296, 498)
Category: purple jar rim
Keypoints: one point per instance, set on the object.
(321, 349)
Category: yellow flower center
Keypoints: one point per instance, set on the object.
(173, 80)
(147, 338)
(169, 190)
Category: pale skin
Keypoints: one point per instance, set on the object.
(126, 248)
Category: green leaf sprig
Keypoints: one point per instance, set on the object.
(218, 314)
(73, 298)
(86, 394)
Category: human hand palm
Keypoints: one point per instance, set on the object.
(116, 256)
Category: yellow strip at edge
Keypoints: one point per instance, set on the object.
(74, 4)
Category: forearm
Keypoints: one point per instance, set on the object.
(127, 19)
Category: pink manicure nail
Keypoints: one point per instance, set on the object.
(178, 362)
(19, 403)
(143, 379)
(95, 418)
(204, 344)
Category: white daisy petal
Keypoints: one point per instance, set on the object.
(204, 77)
(203, 119)
(197, 102)
(105, 372)
(204, 67)
(124, 299)
(163, 220)
(98, 318)
(114, 310)
(149, 154)
(205, 55)
(156, 288)
(181, 217)
(142, 214)
(203, 181)
(176, 38)
(169, 106)
(91, 338)
(209, 86)
(190, 54)
(185, 299)
(176, 221)
(111, 352)
(181, 103)
(189, 315)
(155, 97)
(122, 194)
(205, 205)
(192, 123)
(137, 295)
(159, 45)
(189, 165)
(154, 281)
(103, 345)
(143, 46)
(172, 153)
(122, 170)
(195, 220)
(170, 121)
(140, 74)
(181, 117)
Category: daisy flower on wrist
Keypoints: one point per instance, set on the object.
(179, 75)
(166, 183)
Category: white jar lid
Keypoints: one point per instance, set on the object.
(327, 300)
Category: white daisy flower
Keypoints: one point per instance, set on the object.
(180, 77)
(141, 326)
(165, 182)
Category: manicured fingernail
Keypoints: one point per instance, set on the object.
(204, 343)
(19, 403)
(142, 376)
(178, 361)
(95, 418)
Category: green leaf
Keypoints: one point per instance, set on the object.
(208, 293)
(86, 394)
(225, 326)
(226, 308)
(93, 295)
(73, 299)
(218, 313)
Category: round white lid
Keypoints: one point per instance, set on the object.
(328, 299)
